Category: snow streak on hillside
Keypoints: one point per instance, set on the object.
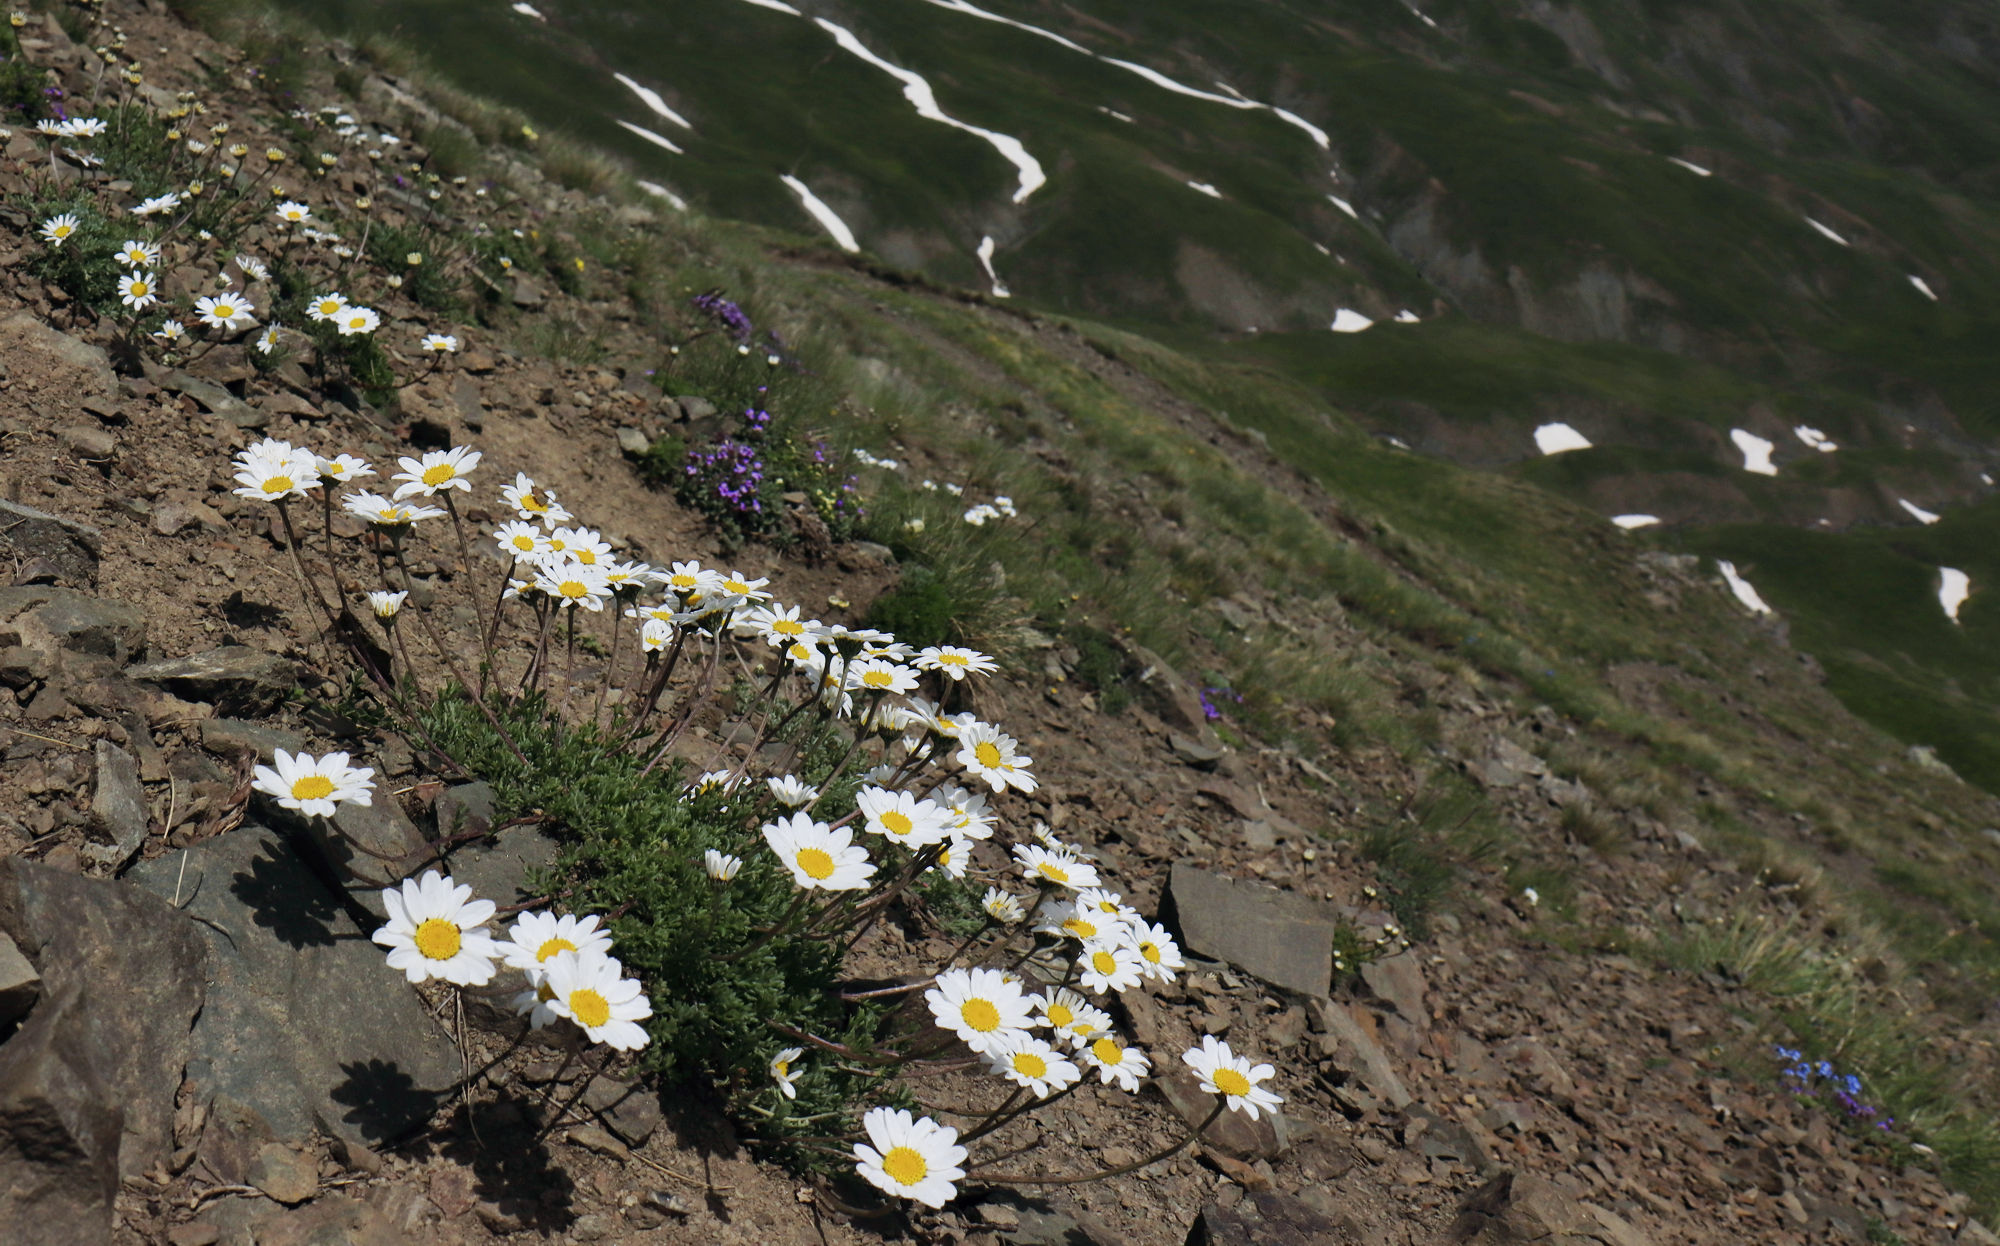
(652, 100)
(826, 216)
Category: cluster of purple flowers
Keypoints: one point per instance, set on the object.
(1818, 1078)
(1209, 709)
(729, 473)
(727, 314)
(756, 421)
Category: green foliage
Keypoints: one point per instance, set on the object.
(22, 84)
(1421, 851)
(1100, 666)
(431, 282)
(632, 849)
(919, 610)
(83, 266)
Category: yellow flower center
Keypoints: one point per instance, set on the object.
(904, 1166)
(1053, 873)
(278, 484)
(1107, 1051)
(896, 823)
(529, 502)
(437, 939)
(589, 1008)
(526, 544)
(545, 992)
(980, 1014)
(226, 311)
(62, 231)
(328, 307)
(1103, 962)
(574, 589)
(433, 476)
(988, 754)
(1231, 1083)
(1080, 928)
(1151, 951)
(878, 679)
(781, 1069)
(1028, 1064)
(789, 627)
(951, 659)
(312, 787)
(588, 557)
(1060, 1015)
(140, 290)
(553, 946)
(817, 863)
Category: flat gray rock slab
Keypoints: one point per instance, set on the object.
(1282, 937)
(72, 548)
(62, 619)
(236, 678)
(306, 1024)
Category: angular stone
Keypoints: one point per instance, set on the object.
(62, 619)
(1265, 1218)
(88, 441)
(305, 1026)
(178, 515)
(633, 442)
(1351, 1047)
(215, 400)
(1161, 690)
(1202, 751)
(87, 1084)
(22, 334)
(231, 737)
(1518, 1207)
(238, 679)
(1282, 937)
(1507, 764)
(118, 804)
(1615, 1230)
(20, 984)
(1232, 1133)
(284, 1174)
(527, 293)
(1398, 981)
(629, 1109)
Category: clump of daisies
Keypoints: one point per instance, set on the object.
(752, 793)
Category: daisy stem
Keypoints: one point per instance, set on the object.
(999, 1121)
(569, 663)
(486, 710)
(534, 671)
(610, 663)
(924, 859)
(694, 706)
(326, 500)
(458, 528)
(1121, 1170)
(659, 685)
(493, 629)
(306, 589)
(994, 1118)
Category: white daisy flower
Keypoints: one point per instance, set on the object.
(532, 502)
(434, 931)
(875, 675)
(791, 791)
(534, 1003)
(386, 605)
(315, 786)
(170, 332)
(267, 340)
(253, 268)
(743, 588)
(1225, 1073)
(1114, 1061)
(1068, 920)
(628, 577)
(1159, 955)
(57, 229)
(979, 1005)
(588, 989)
(902, 818)
(655, 635)
(293, 212)
(135, 254)
(440, 344)
(355, 320)
(536, 938)
(1108, 966)
(570, 583)
(989, 753)
(819, 857)
(138, 291)
(778, 625)
(956, 662)
(158, 204)
(1002, 906)
(955, 857)
(273, 471)
(917, 1159)
(1043, 865)
(784, 1074)
(436, 471)
(722, 867)
(969, 815)
(1072, 1018)
(224, 311)
(342, 468)
(520, 541)
(383, 513)
(327, 306)
(582, 544)
(688, 580)
(1030, 1062)
(87, 127)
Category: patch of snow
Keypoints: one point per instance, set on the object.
(1917, 512)
(1985, 479)
(970, 10)
(1115, 115)
(652, 100)
(986, 248)
(1816, 439)
(1954, 586)
(660, 192)
(826, 216)
(651, 137)
(1559, 439)
(1691, 167)
(1160, 80)
(1629, 522)
(1741, 587)
(1406, 316)
(924, 100)
(1344, 206)
(1347, 320)
(1923, 287)
(1206, 189)
(1321, 248)
(1319, 136)
(529, 10)
(1398, 442)
(1827, 232)
(1756, 452)
(779, 5)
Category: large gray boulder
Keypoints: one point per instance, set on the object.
(87, 1083)
(306, 1025)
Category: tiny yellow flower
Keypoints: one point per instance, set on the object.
(273, 155)
(528, 132)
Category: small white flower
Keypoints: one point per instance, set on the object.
(224, 311)
(1225, 1073)
(819, 857)
(327, 306)
(434, 931)
(916, 1159)
(383, 513)
(537, 938)
(1002, 906)
(956, 662)
(170, 332)
(980, 1005)
(1109, 966)
(791, 791)
(57, 229)
(386, 605)
(274, 471)
(901, 818)
(532, 502)
(138, 290)
(294, 212)
(1032, 1063)
(784, 1074)
(314, 786)
(136, 254)
(356, 320)
(1045, 865)
(342, 468)
(570, 583)
(1159, 955)
(158, 204)
(1114, 1061)
(520, 541)
(253, 268)
(587, 988)
(722, 867)
(440, 344)
(992, 755)
(267, 340)
(436, 471)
